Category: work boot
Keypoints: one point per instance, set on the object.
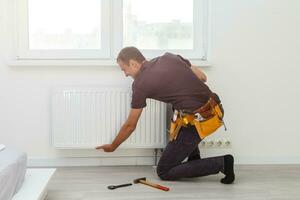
(228, 170)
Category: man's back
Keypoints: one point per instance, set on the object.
(169, 78)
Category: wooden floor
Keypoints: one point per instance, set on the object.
(252, 183)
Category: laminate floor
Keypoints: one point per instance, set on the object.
(253, 182)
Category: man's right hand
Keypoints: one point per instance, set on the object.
(106, 148)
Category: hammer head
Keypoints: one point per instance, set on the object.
(139, 179)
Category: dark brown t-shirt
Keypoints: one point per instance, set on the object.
(170, 79)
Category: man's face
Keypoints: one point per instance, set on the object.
(128, 69)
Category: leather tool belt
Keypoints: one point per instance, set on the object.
(207, 119)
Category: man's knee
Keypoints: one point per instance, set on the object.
(164, 177)
(162, 173)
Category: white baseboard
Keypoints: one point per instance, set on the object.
(91, 161)
(267, 160)
(144, 160)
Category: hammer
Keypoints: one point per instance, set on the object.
(145, 182)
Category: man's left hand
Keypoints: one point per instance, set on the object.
(106, 148)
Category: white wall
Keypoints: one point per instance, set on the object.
(254, 47)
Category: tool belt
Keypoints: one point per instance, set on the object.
(207, 119)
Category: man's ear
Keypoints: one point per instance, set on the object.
(132, 63)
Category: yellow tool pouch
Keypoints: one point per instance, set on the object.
(207, 127)
(204, 127)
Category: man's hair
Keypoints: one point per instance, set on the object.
(129, 53)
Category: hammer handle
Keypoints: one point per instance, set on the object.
(155, 185)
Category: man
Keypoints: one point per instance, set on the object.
(171, 79)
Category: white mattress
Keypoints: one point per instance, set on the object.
(12, 172)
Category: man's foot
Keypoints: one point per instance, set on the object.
(228, 170)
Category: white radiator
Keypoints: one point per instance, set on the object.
(86, 117)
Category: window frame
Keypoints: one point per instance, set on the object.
(112, 36)
(23, 51)
(200, 26)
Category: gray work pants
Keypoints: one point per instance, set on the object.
(170, 165)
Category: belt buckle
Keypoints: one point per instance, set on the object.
(183, 115)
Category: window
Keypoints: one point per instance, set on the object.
(63, 29)
(71, 29)
(98, 29)
(156, 27)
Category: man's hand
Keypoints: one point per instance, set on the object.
(127, 128)
(106, 148)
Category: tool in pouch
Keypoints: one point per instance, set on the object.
(207, 119)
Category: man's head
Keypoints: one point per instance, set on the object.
(130, 60)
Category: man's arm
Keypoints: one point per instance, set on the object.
(126, 130)
(199, 73)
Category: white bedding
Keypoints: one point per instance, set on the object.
(12, 172)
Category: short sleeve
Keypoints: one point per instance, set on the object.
(138, 98)
(185, 60)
